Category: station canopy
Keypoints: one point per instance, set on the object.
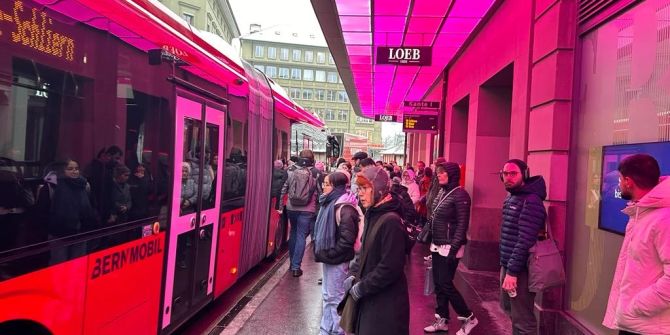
(356, 29)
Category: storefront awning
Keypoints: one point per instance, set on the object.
(354, 29)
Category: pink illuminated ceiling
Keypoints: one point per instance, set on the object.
(355, 28)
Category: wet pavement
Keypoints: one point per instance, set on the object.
(290, 305)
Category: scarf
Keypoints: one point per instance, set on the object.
(325, 229)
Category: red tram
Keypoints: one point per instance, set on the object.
(174, 136)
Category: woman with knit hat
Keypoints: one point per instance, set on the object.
(379, 288)
(450, 218)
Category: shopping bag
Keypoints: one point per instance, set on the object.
(545, 266)
(428, 283)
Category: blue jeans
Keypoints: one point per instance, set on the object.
(300, 225)
(333, 292)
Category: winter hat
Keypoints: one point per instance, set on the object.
(278, 164)
(521, 164)
(377, 178)
(344, 172)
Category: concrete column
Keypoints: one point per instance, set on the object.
(551, 88)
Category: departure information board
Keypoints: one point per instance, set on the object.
(419, 123)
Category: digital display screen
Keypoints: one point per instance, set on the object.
(611, 204)
(419, 123)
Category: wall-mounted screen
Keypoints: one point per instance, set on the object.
(611, 204)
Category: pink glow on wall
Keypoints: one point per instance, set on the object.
(444, 25)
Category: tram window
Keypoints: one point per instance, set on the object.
(235, 169)
(51, 184)
(284, 147)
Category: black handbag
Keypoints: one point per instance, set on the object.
(425, 235)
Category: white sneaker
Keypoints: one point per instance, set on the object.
(467, 324)
(428, 258)
(440, 325)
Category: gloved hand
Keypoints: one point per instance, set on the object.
(348, 283)
(355, 291)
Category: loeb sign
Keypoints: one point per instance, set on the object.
(386, 118)
(422, 56)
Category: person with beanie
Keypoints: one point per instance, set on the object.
(378, 286)
(336, 239)
(449, 222)
(523, 218)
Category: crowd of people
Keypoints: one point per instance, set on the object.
(361, 215)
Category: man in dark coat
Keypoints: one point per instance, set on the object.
(380, 286)
(523, 218)
(279, 176)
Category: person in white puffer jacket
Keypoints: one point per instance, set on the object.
(639, 301)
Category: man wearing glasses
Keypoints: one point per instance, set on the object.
(523, 218)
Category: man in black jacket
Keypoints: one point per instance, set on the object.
(523, 218)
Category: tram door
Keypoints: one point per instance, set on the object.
(195, 207)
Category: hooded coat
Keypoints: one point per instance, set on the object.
(523, 218)
(347, 231)
(639, 301)
(451, 216)
(384, 304)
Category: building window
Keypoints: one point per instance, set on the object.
(294, 93)
(307, 94)
(332, 77)
(343, 115)
(330, 95)
(260, 67)
(329, 115)
(283, 73)
(283, 54)
(308, 75)
(189, 18)
(309, 56)
(271, 71)
(320, 95)
(320, 57)
(330, 59)
(342, 96)
(320, 76)
(296, 74)
(297, 55)
(258, 51)
(272, 52)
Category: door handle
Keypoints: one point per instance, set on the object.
(193, 222)
(203, 221)
(202, 234)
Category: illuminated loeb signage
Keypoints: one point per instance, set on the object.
(419, 123)
(386, 118)
(423, 104)
(33, 28)
(422, 56)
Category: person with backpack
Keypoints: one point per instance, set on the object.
(337, 239)
(301, 206)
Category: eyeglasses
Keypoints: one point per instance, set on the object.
(509, 173)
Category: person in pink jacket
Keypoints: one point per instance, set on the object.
(639, 301)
